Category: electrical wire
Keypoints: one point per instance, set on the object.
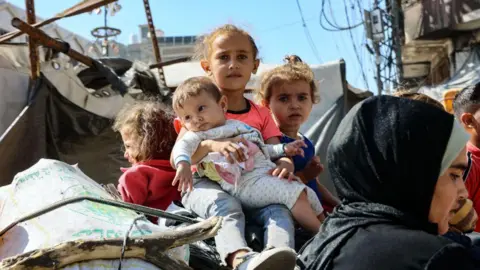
(333, 26)
(355, 49)
(307, 33)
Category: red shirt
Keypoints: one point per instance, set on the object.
(255, 116)
(472, 176)
(149, 184)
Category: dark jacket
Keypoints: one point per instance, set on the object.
(385, 160)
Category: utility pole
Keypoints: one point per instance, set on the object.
(398, 37)
(378, 22)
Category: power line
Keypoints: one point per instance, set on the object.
(285, 25)
(334, 26)
(355, 49)
(307, 34)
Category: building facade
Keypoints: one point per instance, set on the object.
(171, 47)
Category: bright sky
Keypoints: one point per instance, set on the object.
(275, 24)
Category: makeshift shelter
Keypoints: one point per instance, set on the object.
(467, 74)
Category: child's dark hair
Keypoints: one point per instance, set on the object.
(294, 70)
(467, 100)
(419, 97)
(150, 124)
(193, 87)
(203, 48)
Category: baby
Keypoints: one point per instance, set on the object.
(201, 108)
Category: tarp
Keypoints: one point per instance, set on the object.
(467, 74)
(427, 19)
(62, 119)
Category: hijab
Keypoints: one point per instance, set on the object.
(385, 159)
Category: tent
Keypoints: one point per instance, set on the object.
(467, 74)
(67, 114)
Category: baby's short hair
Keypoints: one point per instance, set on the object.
(192, 88)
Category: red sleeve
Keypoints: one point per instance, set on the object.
(177, 125)
(471, 183)
(269, 128)
(133, 186)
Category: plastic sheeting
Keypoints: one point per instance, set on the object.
(51, 126)
(467, 74)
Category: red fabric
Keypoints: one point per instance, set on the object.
(149, 184)
(257, 117)
(473, 178)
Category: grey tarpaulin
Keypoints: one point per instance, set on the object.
(337, 97)
(467, 74)
(53, 127)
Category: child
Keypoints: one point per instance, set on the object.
(149, 181)
(229, 56)
(290, 91)
(466, 106)
(201, 108)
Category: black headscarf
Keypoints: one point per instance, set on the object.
(385, 159)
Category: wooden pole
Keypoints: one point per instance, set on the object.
(32, 47)
(42, 38)
(80, 8)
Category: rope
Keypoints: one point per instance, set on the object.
(138, 208)
(124, 245)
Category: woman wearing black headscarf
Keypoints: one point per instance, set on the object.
(397, 165)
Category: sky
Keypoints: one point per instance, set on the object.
(276, 26)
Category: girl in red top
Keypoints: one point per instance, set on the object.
(148, 137)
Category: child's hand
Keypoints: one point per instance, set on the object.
(295, 148)
(230, 149)
(183, 177)
(313, 169)
(284, 169)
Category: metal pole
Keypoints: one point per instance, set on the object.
(105, 42)
(34, 63)
(151, 28)
(378, 58)
(153, 36)
(398, 39)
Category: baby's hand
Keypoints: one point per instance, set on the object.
(183, 177)
(284, 169)
(295, 148)
(231, 150)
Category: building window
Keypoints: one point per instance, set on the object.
(187, 40)
(179, 40)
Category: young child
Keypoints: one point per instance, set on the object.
(466, 106)
(229, 56)
(148, 137)
(201, 108)
(290, 91)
